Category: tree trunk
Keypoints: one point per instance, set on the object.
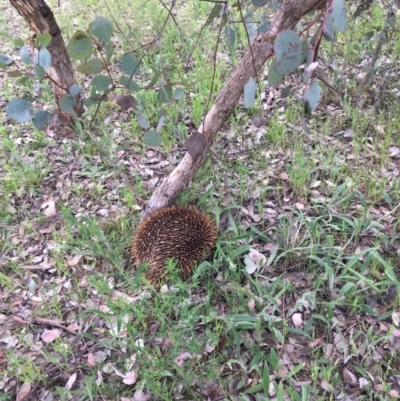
(41, 20)
(252, 63)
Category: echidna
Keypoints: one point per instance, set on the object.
(183, 233)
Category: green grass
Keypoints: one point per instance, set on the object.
(323, 211)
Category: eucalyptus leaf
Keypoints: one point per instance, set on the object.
(20, 110)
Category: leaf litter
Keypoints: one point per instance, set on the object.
(297, 335)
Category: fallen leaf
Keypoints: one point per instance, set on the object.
(297, 319)
(103, 212)
(23, 391)
(73, 326)
(49, 336)
(394, 151)
(349, 377)
(316, 342)
(251, 304)
(74, 261)
(90, 359)
(99, 379)
(130, 378)
(254, 260)
(71, 381)
(180, 360)
(49, 208)
(208, 348)
(141, 396)
(396, 318)
(269, 247)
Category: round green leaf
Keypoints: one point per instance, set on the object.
(264, 24)
(165, 94)
(89, 102)
(41, 119)
(129, 84)
(312, 96)
(42, 57)
(25, 55)
(230, 36)
(152, 138)
(19, 42)
(93, 66)
(100, 83)
(288, 52)
(339, 15)
(102, 28)
(20, 110)
(154, 80)
(80, 47)
(67, 103)
(5, 61)
(109, 50)
(39, 72)
(160, 123)
(43, 39)
(249, 93)
(130, 64)
(308, 49)
(178, 93)
(74, 89)
(328, 30)
(142, 120)
(273, 76)
(23, 80)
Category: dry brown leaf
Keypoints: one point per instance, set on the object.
(74, 260)
(141, 396)
(49, 208)
(74, 326)
(71, 381)
(130, 378)
(362, 382)
(23, 391)
(269, 247)
(396, 318)
(184, 356)
(349, 377)
(297, 319)
(90, 359)
(99, 379)
(49, 336)
(316, 342)
(251, 304)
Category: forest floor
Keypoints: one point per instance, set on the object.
(317, 319)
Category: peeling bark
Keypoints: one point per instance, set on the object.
(251, 64)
